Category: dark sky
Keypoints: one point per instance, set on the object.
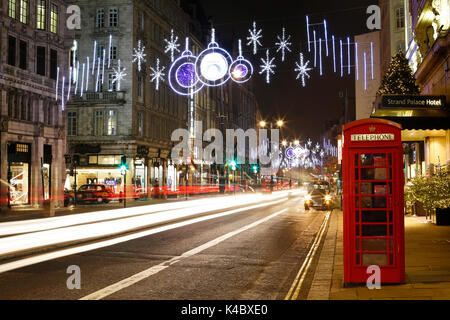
(306, 110)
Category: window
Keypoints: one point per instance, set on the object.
(98, 122)
(53, 64)
(113, 17)
(113, 53)
(12, 9)
(11, 51)
(400, 18)
(100, 18)
(23, 55)
(53, 18)
(141, 21)
(71, 123)
(112, 122)
(112, 86)
(24, 11)
(140, 124)
(40, 61)
(41, 7)
(140, 87)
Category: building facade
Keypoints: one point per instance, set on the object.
(34, 43)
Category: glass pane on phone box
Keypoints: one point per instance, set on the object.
(366, 202)
(374, 216)
(374, 244)
(356, 188)
(356, 160)
(356, 174)
(357, 202)
(377, 259)
(373, 174)
(373, 160)
(374, 230)
(357, 216)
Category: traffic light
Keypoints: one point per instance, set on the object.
(123, 165)
(255, 169)
(233, 165)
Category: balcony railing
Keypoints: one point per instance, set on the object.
(105, 96)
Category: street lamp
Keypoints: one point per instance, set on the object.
(262, 124)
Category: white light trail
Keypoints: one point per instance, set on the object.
(93, 57)
(62, 94)
(57, 83)
(70, 83)
(98, 75)
(349, 55)
(87, 74)
(365, 71)
(78, 77)
(109, 51)
(315, 49)
(342, 59)
(356, 61)
(320, 56)
(371, 60)
(334, 54)
(103, 66)
(307, 31)
(82, 80)
(326, 35)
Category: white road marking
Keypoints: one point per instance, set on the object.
(294, 291)
(100, 294)
(106, 243)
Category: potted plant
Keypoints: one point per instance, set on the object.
(441, 184)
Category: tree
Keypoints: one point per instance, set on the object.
(399, 78)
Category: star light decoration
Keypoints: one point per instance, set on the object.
(119, 75)
(254, 37)
(172, 45)
(302, 69)
(139, 55)
(157, 74)
(267, 66)
(283, 44)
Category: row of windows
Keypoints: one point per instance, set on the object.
(19, 9)
(21, 107)
(113, 18)
(18, 57)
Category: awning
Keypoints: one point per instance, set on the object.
(416, 119)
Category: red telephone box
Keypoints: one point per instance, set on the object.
(372, 169)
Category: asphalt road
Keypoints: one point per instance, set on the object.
(254, 254)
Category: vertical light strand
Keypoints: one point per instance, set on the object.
(356, 61)
(70, 83)
(315, 49)
(342, 59)
(326, 36)
(57, 83)
(98, 75)
(187, 44)
(371, 60)
(320, 56)
(307, 32)
(62, 93)
(109, 53)
(365, 71)
(103, 66)
(349, 55)
(93, 57)
(82, 81)
(87, 74)
(240, 48)
(78, 77)
(334, 53)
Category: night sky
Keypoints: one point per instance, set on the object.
(309, 110)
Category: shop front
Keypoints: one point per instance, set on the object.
(19, 173)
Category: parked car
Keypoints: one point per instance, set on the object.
(318, 198)
(94, 193)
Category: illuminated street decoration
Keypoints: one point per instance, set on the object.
(356, 61)
(241, 70)
(119, 75)
(303, 156)
(302, 69)
(212, 65)
(139, 55)
(326, 35)
(157, 74)
(307, 32)
(334, 54)
(182, 75)
(254, 37)
(283, 44)
(93, 57)
(267, 66)
(172, 45)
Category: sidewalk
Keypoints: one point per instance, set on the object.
(427, 249)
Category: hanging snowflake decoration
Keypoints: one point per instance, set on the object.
(172, 45)
(302, 69)
(267, 66)
(283, 44)
(139, 55)
(254, 37)
(157, 74)
(118, 76)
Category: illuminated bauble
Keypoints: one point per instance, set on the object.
(182, 75)
(290, 154)
(212, 65)
(241, 70)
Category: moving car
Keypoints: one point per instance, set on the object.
(94, 193)
(318, 198)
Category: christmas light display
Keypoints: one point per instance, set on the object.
(87, 73)
(157, 74)
(109, 51)
(267, 66)
(326, 36)
(349, 57)
(320, 57)
(82, 80)
(371, 60)
(119, 75)
(283, 44)
(172, 45)
(78, 77)
(70, 83)
(302, 69)
(98, 75)
(315, 48)
(103, 66)
(254, 37)
(57, 83)
(62, 93)
(365, 71)
(342, 59)
(356, 61)
(307, 33)
(212, 65)
(93, 57)
(241, 70)
(139, 55)
(334, 54)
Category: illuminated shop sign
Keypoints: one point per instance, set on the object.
(373, 137)
(414, 101)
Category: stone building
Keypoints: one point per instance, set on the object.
(34, 43)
